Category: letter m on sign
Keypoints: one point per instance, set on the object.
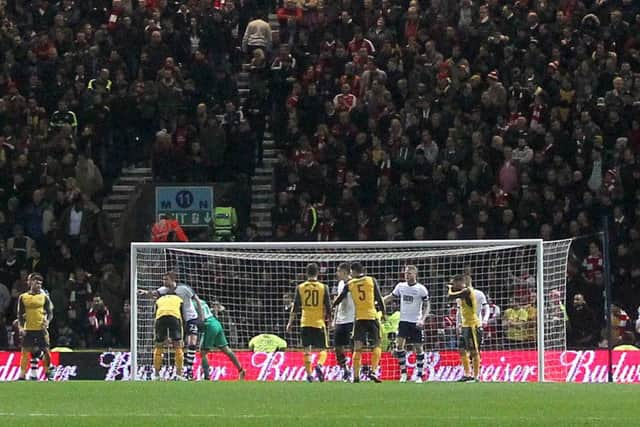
(165, 204)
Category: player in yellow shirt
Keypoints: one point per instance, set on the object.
(35, 312)
(365, 295)
(312, 299)
(168, 325)
(461, 290)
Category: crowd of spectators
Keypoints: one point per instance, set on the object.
(440, 119)
(462, 120)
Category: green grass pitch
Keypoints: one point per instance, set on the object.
(105, 404)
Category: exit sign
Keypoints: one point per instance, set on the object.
(192, 206)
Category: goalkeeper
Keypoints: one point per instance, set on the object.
(212, 336)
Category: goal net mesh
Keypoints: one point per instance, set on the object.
(256, 286)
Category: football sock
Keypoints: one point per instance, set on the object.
(24, 363)
(342, 361)
(46, 359)
(357, 358)
(402, 361)
(157, 359)
(420, 363)
(190, 356)
(375, 359)
(476, 365)
(232, 356)
(466, 364)
(322, 357)
(179, 360)
(204, 365)
(307, 363)
(35, 358)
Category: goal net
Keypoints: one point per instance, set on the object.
(523, 280)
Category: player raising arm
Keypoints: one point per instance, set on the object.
(365, 294)
(471, 334)
(344, 316)
(213, 337)
(484, 311)
(168, 324)
(414, 309)
(312, 299)
(35, 312)
(191, 313)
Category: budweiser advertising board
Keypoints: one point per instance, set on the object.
(503, 366)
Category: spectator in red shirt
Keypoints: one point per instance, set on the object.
(167, 225)
(100, 323)
(593, 262)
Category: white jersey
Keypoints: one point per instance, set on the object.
(482, 306)
(411, 299)
(345, 312)
(186, 294)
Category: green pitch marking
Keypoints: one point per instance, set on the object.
(88, 403)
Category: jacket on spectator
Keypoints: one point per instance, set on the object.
(161, 229)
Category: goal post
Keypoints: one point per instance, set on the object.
(254, 283)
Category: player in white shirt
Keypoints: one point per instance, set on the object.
(192, 314)
(414, 309)
(343, 321)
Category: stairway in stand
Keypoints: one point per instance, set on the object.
(262, 196)
(116, 202)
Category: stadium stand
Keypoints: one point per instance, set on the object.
(377, 120)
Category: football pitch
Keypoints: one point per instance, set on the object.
(89, 403)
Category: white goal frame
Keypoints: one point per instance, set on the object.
(442, 244)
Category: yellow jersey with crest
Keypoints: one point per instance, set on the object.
(468, 307)
(169, 305)
(312, 298)
(34, 309)
(362, 290)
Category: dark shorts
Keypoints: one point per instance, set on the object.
(168, 327)
(410, 332)
(367, 331)
(342, 335)
(36, 340)
(191, 327)
(314, 337)
(470, 339)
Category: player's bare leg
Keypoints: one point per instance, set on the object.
(232, 356)
(401, 355)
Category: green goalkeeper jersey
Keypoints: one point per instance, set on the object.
(206, 311)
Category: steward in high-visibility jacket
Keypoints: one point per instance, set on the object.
(225, 223)
(165, 226)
